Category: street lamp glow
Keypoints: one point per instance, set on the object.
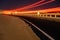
(38, 13)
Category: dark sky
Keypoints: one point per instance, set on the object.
(13, 4)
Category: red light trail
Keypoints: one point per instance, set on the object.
(57, 9)
(31, 5)
(39, 3)
(35, 4)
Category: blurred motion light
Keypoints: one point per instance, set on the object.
(6, 12)
(38, 13)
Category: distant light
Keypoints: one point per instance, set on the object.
(38, 13)
(15, 12)
(0, 12)
(6, 12)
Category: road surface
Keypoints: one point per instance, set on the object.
(52, 28)
(13, 28)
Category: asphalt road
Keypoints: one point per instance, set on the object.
(13, 28)
(50, 27)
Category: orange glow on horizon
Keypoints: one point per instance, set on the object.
(6, 12)
(57, 9)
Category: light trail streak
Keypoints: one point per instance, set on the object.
(57, 9)
(35, 5)
(6, 12)
(31, 5)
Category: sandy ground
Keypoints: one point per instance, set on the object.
(13, 28)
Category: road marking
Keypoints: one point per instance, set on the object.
(40, 30)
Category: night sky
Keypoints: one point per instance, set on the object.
(13, 4)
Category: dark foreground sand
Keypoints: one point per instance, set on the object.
(13, 28)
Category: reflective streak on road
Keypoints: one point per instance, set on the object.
(50, 27)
